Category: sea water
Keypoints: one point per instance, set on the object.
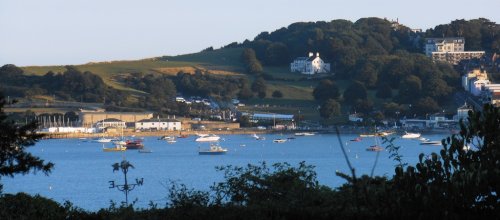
(82, 170)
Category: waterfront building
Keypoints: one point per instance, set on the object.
(159, 124)
(310, 65)
(450, 50)
(89, 118)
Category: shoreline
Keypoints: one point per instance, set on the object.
(130, 133)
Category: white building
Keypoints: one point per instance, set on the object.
(309, 65)
(158, 124)
(463, 112)
(475, 74)
(451, 50)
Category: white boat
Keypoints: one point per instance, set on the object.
(103, 140)
(304, 134)
(257, 137)
(435, 143)
(279, 140)
(171, 141)
(207, 138)
(214, 149)
(408, 135)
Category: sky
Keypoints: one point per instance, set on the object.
(63, 32)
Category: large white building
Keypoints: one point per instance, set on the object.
(310, 65)
(158, 124)
(451, 50)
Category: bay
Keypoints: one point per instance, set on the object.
(82, 170)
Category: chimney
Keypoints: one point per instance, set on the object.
(317, 54)
(310, 54)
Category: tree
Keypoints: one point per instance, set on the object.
(384, 91)
(329, 109)
(326, 89)
(259, 85)
(355, 92)
(14, 140)
(251, 62)
(277, 94)
(425, 105)
(262, 94)
(410, 89)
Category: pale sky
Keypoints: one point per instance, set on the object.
(61, 32)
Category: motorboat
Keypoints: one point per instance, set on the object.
(435, 143)
(145, 151)
(117, 147)
(207, 138)
(374, 148)
(304, 134)
(171, 141)
(134, 144)
(103, 140)
(279, 140)
(257, 137)
(182, 136)
(408, 135)
(358, 139)
(367, 135)
(166, 138)
(214, 149)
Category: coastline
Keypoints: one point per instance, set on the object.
(131, 133)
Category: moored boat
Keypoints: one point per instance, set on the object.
(435, 143)
(304, 134)
(256, 137)
(207, 138)
(409, 135)
(214, 149)
(117, 147)
(134, 144)
(374, 148)
(357, 139)
(279, 140)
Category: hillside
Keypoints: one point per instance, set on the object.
(373, 54)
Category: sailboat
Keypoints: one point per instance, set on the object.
(376, 146)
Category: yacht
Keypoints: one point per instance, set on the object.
(214, 149)
(279, 140)
(408, 135)
(207, 138)
(304, 134)
(257, 137)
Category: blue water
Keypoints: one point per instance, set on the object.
(82, 170)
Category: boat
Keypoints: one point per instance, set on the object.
(304, 134)
(374, 148)
(367, 135)
(357, 139)
(171, 141)
(182, 136)
(384, 133)
(103, 140)
(408, 135)
(256, 137)
(423, 139)
(134, 144)
(207, 138)
(166, 137)
(214, 149)
(117, 147)
(145, 151)
(435, 143)
(279, 140)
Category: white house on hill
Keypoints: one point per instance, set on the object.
(309, 65)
